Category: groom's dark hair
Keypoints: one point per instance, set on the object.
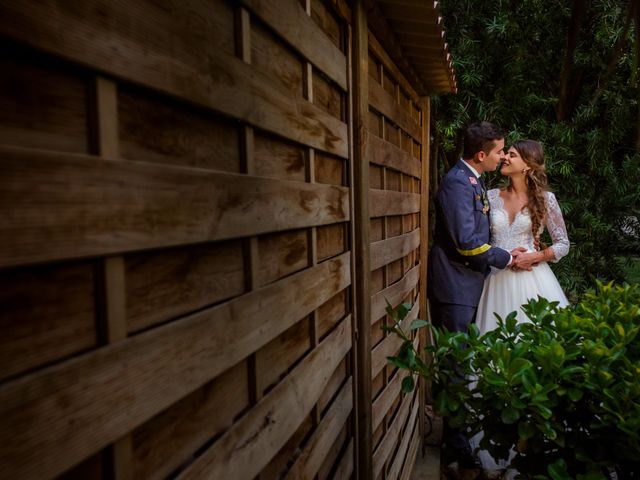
(480, 136)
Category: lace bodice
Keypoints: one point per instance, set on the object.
(519, 234)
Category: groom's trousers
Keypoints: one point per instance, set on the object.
(455, 318)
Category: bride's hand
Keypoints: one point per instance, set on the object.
(526, 261)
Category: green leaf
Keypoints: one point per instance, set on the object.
(558, 470)
(398, 363)
(418, 324)
(509, 415)
(526, 430)
(408, 384)
(402, 310)
(575, 394)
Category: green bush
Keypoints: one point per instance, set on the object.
(562, 390)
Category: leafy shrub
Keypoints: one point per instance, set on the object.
(562, 390)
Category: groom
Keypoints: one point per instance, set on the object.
(461, 256)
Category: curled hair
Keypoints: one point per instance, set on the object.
(537, 183)
(480, 136)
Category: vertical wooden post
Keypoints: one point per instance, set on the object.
(113, 320)
(362, 274)
(424, 247)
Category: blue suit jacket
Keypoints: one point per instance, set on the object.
(461, 256)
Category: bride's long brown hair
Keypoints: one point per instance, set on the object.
(536, 179)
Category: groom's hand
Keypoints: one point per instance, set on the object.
(517, 263)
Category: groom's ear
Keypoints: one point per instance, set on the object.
(479, 156)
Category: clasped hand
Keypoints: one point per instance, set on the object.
(523, 260)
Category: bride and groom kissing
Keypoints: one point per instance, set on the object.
(487, 254)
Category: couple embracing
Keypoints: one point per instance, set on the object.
(487, 254)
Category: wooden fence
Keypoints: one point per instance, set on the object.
(183, 243)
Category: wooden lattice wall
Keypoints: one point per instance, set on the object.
(178, 255)
(394, 148)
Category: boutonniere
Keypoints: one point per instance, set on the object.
(485, 203)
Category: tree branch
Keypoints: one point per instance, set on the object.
(617, 51)
(578, 10)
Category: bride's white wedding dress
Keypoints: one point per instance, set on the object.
(505, 290)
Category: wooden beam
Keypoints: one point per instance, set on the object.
(361, 219)
(68, 206)
(394, 293)
(387, 397)
(222, 83)
(386, 154)
(45, 429)
(409, 428)
(389, 41)
(390, 345)
(390, 438)
(388, 64)
(382, 101)
(389, 202)
(391, 249)
(295, 26)
(425, 148)
(321, 441)
(245, 449)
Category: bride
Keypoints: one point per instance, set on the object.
(518, 216)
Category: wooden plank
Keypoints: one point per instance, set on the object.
(107, 118)
(292, 23)
(279, 464)
(240, 91)
(327, 96)
(333, 385)
(50, 417)
(243, 34)
(390, 345)
(273, 58)
(328, 20)
(387, 397)
(318, 446)
(115, 316)
(329, 169)
(276, 357)
(394, 248)
(156, 128)
(384, 153)
(48, 313)
(381, 54)
(390, 438)
(248, 446)
(386, 104)
(65, 206)
(401, 453)
(168, 440)
(331, 312)
(165, 284)
(43, 103)
(381, 29)
(276, 158)
(385, 202)
(361, 243)
(331, 240)
(394, 293)
(412, 454)
(280, 254)
(344, 470)
(424, 245)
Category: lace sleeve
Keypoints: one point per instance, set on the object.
(556, 227)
